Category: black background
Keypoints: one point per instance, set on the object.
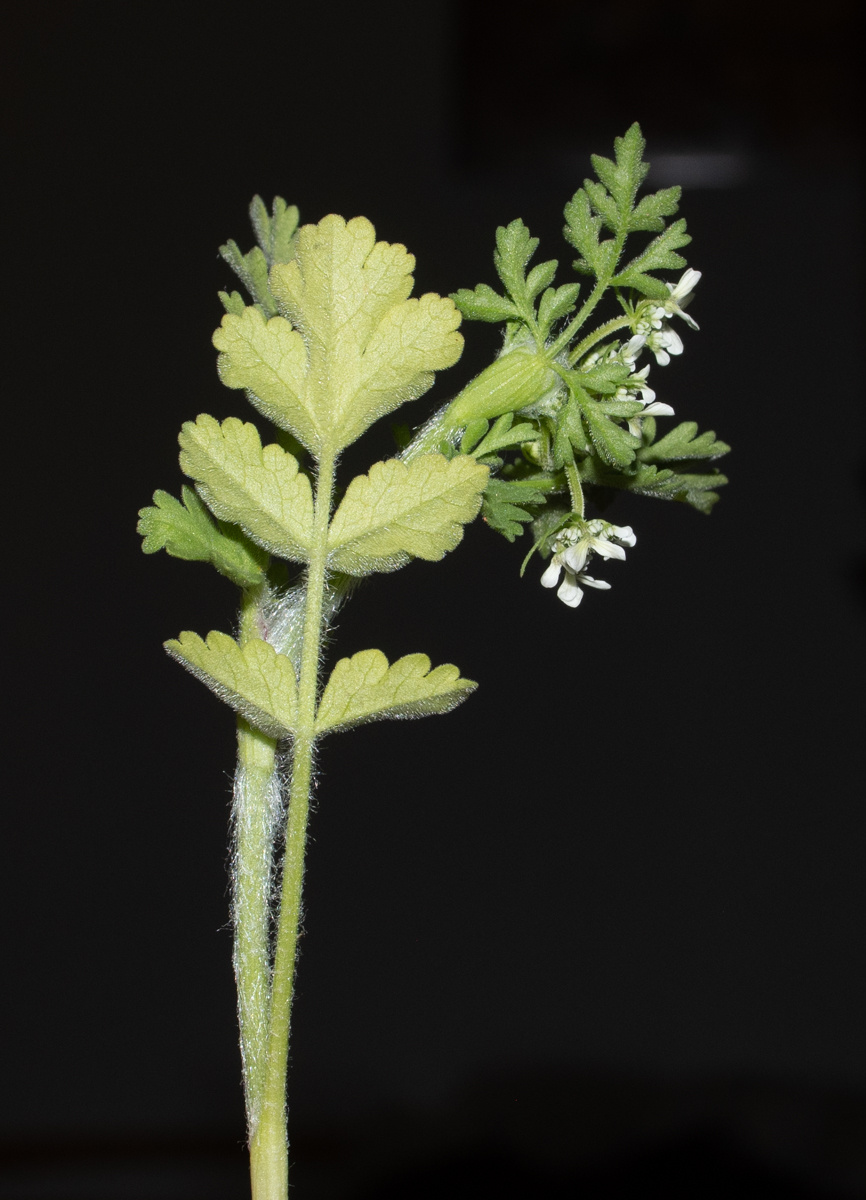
(601, 927)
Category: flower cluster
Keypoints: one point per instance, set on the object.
(653, 332)
(572, 550)
(660, 337)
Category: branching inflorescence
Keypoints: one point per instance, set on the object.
(331, 343)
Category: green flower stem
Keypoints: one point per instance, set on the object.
(577, 322)
(269, 1164)
(575, 488)
(255, 810)
(597, 336)
(591, 301)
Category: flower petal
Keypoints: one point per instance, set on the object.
(570, 593)
(550, 578)
(625, 533)
(575, 556)
(608, 549)
(588, 581)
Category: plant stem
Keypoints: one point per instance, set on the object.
(256, 810)
(598, 335)
(575, 488)
(256, 807)
(269, 1164)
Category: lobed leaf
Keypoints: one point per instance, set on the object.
(615, 445)
(483, 304)
(365, 688)
(232, 302)
(368, 347)
(514, 248)
(254, 486)
(603, 203)
(186, 530)
(253, 679)
(604, 378)
(505, 433)
(252, 270)
(556, 303)
(682, 443)
(660, 253)
(645, 284)
(405, 510)
(540, 277)
(275, 231)
(582, 230)
(698, 491)
(648, 213)
(504, 500)
(268, 358)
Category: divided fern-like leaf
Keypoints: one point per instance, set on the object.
(684, 442)
(186, 530)
(504, 504)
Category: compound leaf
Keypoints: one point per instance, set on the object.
(186, 530)
(365, 688)
(369, 348)
(404, 510)
(504, 500)
(253, 679)
(254, 486)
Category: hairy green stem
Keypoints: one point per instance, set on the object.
(269, 1165)
(256, 810)
(598, 335)
(576, 322)
(256, 802)
(575, 489)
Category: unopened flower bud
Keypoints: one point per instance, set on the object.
(513, 382)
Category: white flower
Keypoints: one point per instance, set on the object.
(636, 383)
(651, 319)
(570, 591)
(663, 343)
(658, 409)
(573, 548)
(680, 294)
(630, 351)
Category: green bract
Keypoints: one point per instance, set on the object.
(328, 340)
